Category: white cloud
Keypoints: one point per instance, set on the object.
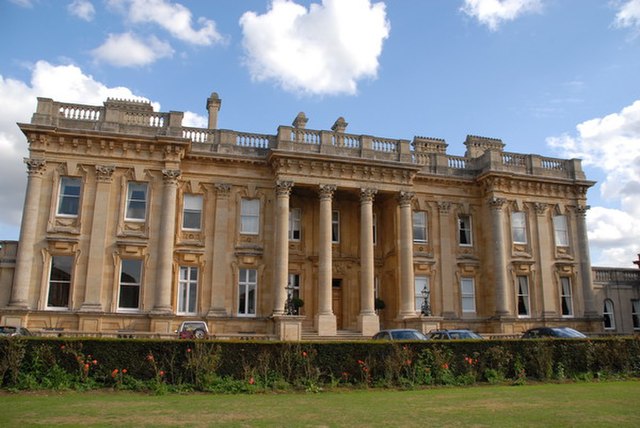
(628, 14)
(82, 9)
(612, 145)
(173, 17)
(64, 83)
(128, 50)
(194, 120)
(323, 50)
(492, 13)
(23, 3)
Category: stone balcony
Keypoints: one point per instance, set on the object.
(428, 154)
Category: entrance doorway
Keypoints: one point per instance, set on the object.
(336, 300)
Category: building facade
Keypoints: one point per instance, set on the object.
(134, 222)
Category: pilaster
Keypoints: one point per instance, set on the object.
(325, 319)
(368, 321)
(407, 305)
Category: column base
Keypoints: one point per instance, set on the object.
(327, 325)
(288, 327)
(368, 324)
(18, 304)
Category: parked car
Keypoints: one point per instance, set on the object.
(562, 332)
(399, 334)
(193, 330)
(6, 330)
(453, 334)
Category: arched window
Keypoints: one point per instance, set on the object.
(609, 319)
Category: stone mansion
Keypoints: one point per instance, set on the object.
(134, 222)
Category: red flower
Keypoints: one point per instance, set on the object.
(304, 354)
(124, 371)
(115, 372)
(408, 362)
(445, 366)
(161, 372)
(252, 381)
(62, 347)
(150, 357)
(188, 349)
(95, 362)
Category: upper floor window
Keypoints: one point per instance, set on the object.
(523, 296)
(247, 288)
(192, 212)
(187, 290)
(519, 227)
(464, 230)
(69, 197)
(335, 227)
(136, 209)
(561, 232)
(295, 219)
(419, 226)
(468, 295)
(635, 313)
(566, 297)
(609, 318)
(60, 281)
(130, 284)
(250, 216)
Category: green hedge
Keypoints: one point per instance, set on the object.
(246, 366)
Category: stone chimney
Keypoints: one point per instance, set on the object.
(213, 107)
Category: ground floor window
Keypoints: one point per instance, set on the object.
(247, 287)
(60, 281)
(566, 298)
(635, 314)
(187, 290)
(130, 282)
(468, 295)
(523, 296)
(422, 292)
(607, 313)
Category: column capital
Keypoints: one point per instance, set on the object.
(405, 198)
(223, 189)
(497, 203)
(444, 207)
(104, 173)
(327, 191)
(35, 166)
(581, 210)
(171, 176)
(367, 194)
(283, 187)
(540, 207)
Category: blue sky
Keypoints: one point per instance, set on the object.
(553, 77)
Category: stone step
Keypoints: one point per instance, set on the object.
(341, 335)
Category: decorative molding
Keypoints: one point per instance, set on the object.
(35, 167)
(170, 176)
(367, 194)
(104, 173)
(327, 191)
(283, 187)
(496, 203)
(443, 207)
(540, 207)
(405, 198)
(223, 189)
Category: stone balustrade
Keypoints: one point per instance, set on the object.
(620, 276)
(137, 117)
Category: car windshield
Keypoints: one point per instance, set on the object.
(7, 330)
(464, 335)
(568, 332)
(408, 335)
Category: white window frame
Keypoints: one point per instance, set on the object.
(65, 198)
(295, 223)
(188, 290)
(248, 288)
(191, 210)
(519, 227)
(523, 296)
(294, 283)
(468, 294)
(420, 231)
(609, 313)
(465, 228)
(635, 313)
(131, 200)
(250, 216)
(561, 230)
(137, 284)
(420, 282)
(335, 226)
(55, 284)
(566, 297)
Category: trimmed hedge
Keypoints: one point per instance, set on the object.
(245, 366)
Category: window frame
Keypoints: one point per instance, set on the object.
(416, 226)
(293, 280)
(468, 230)
(635, 313)
(130, 200)
(248, 218)
(187, 299)
(66, 197)
(246, 288)
(468, 296)
(519, 229)
(58, 285)
(566, 297)
(295, 224)
(561, 230)
(523, 298)
(189, 212)
(335, 226)
(608, 312)
(137, 285)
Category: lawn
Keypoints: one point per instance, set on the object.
(596, 404)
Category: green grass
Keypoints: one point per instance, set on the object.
(597, 404)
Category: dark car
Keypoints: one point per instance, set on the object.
(561, 332)
(399, 334)
(453, 334)
(6, 330)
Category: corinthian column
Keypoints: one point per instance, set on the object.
(407, 301)
(95, 269)
(283, 190)
(24, 257)
(164, 272)
(368, 322)
(499, 258)
(325, 319)
(585, 262)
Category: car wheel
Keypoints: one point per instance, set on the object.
(199, 334)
